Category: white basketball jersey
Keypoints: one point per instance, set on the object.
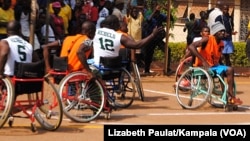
(20, 51)
(106, 44)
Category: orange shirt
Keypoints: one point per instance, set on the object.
(70, 47)
(212, 52)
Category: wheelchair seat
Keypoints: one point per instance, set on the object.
(28, 77)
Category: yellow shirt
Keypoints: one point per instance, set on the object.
(6, 16)
(135, 27)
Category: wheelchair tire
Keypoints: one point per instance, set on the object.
(87, 100)
(49, 113)
(122, 89)
(198, 86)
(7, 97)
(184, 65)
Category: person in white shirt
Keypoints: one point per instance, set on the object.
(213, 14)
(104, 13)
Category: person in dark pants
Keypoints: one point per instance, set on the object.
(155, 19)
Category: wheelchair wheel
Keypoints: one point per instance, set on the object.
(194, 88)
(184, 65)
(138, 83)
(123, 91)
(6, 99)
(49, 113)
(83, 100)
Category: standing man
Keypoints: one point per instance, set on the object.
(227, 21)
(155, 19)
(117, 10)
(189, 25)
(213, 14)
(247, 40)
(135, 20)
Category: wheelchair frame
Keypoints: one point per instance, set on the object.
(43, 105)
(204, 86)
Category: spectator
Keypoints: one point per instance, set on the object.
(77, 28)
(94, 11)
(113, 39)
(205, 31)
(22, 14)
(213, 14)
(65, 12)
(71, 3)
(200, 23)
(46, 35)
(227, 21)
(104, 12)
(7, 15)
(56, 21)
(155, 19)
(11, 51)
(210, 56)
(135, 20)
(42, 3)
(86, 9)
(50, 36)
(247, 40)
(189, 25)
(117, 11)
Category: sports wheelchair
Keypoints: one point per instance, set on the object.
(42, 103)
(84, 99)
(195, 87)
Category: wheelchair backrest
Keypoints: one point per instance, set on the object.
(125, 53)
(111, 62)
(29, 70)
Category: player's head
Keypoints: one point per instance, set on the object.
(218, 30)
(14, 28)
(89, 29)
(111, 22)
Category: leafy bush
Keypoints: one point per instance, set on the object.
(239, 57)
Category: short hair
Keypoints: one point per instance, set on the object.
(13, 27)
(111, 22)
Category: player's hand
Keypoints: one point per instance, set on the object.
(157, 30)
